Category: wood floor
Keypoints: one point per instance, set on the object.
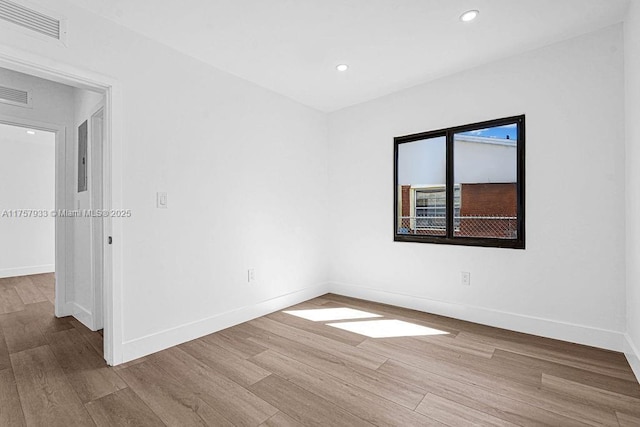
(284, 370)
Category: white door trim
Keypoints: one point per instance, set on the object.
(25, 62)
(98, 238)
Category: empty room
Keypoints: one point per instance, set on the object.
(182, 239)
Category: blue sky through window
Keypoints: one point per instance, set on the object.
(500, 132)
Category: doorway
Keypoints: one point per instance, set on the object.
(34, 174)
(99, 227)
(27, 200)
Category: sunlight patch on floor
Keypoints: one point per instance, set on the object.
(387, 328)
(330, 314)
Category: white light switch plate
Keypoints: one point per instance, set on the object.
(162, 200)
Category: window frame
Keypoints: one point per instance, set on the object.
(449, 238)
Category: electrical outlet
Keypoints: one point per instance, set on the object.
(465, 278)
(251, 275)
(161, 200)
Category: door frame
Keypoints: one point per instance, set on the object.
(46, 68)
(97, 235)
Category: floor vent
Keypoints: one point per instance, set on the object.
(13, 96)
(30, 19)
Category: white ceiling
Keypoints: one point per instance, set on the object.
(293, 46)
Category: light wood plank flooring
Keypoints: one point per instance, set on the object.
(285, 370)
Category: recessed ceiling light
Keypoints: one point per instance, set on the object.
(342, 67)
(31, 132)
(469, 15)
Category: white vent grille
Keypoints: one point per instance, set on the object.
(13, 96)
(30, 19)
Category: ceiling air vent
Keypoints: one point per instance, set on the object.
(13, 96)
(30, 19)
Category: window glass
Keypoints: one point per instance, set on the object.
(421, 187)
(485, 170)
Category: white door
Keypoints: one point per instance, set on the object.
(87, 296)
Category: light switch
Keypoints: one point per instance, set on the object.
(162, 200)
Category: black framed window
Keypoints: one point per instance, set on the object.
(462, 185)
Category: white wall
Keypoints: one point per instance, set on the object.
(52, 102)
(246, 175)
(632, 91)
(569, 282)
(27, 171)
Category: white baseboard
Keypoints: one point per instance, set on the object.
(580, 334)
(152, 343)
(633, 355)
(27, 271)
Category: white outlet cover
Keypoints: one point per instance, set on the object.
(161, 200)
(465, 278)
